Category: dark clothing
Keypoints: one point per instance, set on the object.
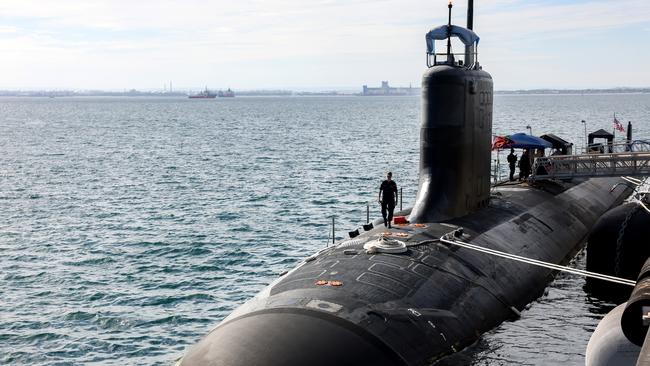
(512, 162)
(388, 194)
(524, 166)
(388, 191)
(387, 207)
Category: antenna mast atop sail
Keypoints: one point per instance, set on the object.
(469, 54)
(449, 30)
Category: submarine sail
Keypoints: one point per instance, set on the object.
(456, 133)
(403, 296)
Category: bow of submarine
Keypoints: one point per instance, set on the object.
(291, 337)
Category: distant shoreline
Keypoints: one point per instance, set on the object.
(278, 92)
(577, 91)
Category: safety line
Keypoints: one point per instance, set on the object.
(536, 262)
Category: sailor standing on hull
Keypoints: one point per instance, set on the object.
(388, 198)
(524, 165)
(512, 162)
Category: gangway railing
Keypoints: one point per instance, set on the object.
(591, 165)
(619, 147)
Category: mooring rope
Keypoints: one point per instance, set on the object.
(535, 262)
(643, 206)
(640, 192)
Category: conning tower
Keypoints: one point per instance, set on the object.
(456, 133)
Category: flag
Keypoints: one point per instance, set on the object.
(500, 142)
(618, 125)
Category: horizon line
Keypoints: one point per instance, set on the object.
(292, 89)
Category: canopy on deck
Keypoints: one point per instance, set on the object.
(597, 147)
(601, 134)
(558, 143)
(519, 141)
(467, 36)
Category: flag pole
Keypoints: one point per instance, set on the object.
(586, 137)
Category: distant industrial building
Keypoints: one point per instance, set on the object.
(387, 90)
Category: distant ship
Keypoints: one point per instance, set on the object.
(226, 94)
(205, 94)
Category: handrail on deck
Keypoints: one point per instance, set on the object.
(629, 163)
(450, 59)
(633, 146)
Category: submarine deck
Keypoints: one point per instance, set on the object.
(434, 299)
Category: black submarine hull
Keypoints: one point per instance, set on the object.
(416, 307)
(349, 305)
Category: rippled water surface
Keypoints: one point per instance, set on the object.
(130, 227)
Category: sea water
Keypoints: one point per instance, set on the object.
(129, 227)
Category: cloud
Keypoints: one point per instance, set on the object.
(217, 36)
(561, 18)
(8, 30)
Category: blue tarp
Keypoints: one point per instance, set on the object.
(523, 141)
(466, 36)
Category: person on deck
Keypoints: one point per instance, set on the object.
(524, 165)
(512, 162)
(388, 198)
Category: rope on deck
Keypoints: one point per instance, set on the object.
(449, 239)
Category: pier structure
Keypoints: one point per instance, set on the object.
(625, 159)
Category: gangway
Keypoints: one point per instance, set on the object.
(631, 163)
(632, 146)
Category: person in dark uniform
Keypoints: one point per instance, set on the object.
(388, 198)
(524, 165)
(512, 161)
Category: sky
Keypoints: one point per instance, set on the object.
(317, 44)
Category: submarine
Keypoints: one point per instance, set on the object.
(415, 293)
